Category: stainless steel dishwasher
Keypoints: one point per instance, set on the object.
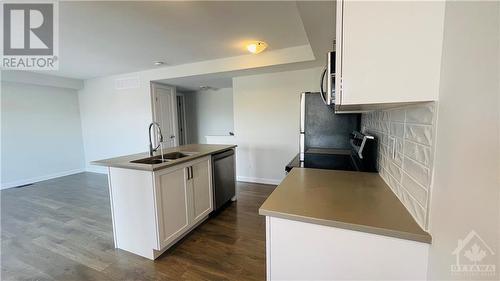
(224, 179)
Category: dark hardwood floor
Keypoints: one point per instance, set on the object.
(61, 230)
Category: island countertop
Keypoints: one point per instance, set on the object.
(198, 150)
(350, 200)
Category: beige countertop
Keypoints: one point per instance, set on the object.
(350, 200)
(199, 150)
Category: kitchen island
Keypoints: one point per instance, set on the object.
(338, 225)
(156, 200)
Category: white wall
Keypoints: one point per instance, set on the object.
(41, 134)
(466, 188)
(34, 78)
(114, 122)
(266, 121)
(210, 113)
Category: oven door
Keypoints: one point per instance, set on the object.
(328, 94)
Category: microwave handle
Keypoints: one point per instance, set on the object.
(322, 91)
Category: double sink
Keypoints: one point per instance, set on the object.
(158, 159)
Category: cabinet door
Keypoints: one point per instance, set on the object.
(390, 51)
(172, 205)
(202, 190)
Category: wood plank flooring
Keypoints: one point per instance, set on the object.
(61, 229)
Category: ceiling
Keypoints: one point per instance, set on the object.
(110, 37)
(318, 19)
(225, 79)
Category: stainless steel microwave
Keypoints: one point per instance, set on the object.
(328, 93)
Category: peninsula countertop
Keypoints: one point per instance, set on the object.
(350, 200)
(195, 151)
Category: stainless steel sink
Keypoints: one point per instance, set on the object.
(150, 160)
(176, 155)
(166, 158)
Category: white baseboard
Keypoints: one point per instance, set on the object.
(40, 178)
(258, 180)
(96, 169)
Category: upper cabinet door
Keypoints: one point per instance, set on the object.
(388, 52)
(172, 204)
(202, 190)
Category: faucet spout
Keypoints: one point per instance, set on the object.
(160, 135)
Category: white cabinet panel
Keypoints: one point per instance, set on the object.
(202, 190)
(172, 205)
(305, 251)
(132, 209)
(388, 51)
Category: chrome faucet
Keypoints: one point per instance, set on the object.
(151, 149)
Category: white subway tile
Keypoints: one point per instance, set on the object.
(384, 125)
(381, 161)
(397, 129)
(386, 115)
(392, 182)
(420, 173)
(419, 152)
(399, 145)
(419, 133)
(417, 211)
(398, 115)
(398, 191)
(384, 150)
(416, 190)
(405, 198)
(395, 171)
(398, 160)
(409, 173)
(384, 174)
(383, 139)
(421, 114)
(390, 148)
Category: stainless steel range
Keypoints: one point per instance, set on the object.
(332, 141)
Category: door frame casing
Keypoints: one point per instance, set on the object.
(154, 86)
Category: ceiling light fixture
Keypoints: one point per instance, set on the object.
(158, 63)
(256, 47)
(206, 88)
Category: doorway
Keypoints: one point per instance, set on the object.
(165, 112)
(181, 119)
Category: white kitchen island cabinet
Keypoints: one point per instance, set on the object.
(387, 53)
(202, 190)
(152, 210)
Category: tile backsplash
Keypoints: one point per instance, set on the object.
(405, 153)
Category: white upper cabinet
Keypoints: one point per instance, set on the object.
(387, 52)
